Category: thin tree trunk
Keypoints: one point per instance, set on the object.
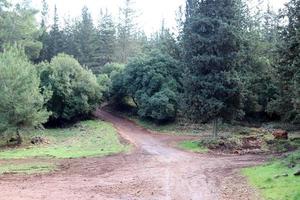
(215, 128)
(19, 137)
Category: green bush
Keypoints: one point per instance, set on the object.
(21, 103)
(152, 82)
(76, 92)
(109, 75)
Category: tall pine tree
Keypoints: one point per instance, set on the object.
(54, 43)
(127, 32)
(287, 104)
(86, 40)
(210, 46)
(106, 39)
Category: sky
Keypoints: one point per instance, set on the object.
(151, 12)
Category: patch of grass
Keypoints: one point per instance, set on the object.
(276, 180)
(193, 146)
(27, 168)
(86, 139)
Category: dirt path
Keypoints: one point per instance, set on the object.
(153, 171)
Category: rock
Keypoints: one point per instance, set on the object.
(297, 173)
(38, 140)
(280, 134)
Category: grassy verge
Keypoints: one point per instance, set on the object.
(27, 168)
(276, 180)
(86, 139)
(193, 146)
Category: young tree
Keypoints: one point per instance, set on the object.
(21, 102)
(211, 44)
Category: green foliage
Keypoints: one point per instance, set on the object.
(107, 40)
(152, 82)
(257, 59)
(127, 32)
(211, 42)
(85, 41)
(286, 104)
(273, 187)
(18, 25)
(76, 92)
(110, 78)
(111, 69)
(21, 103)
(85, 139)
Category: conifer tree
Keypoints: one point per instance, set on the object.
(85, 38)
(107, 39)
(210, 46)
(287, 104)
(54, 42)
(127, 32)
(21, 102)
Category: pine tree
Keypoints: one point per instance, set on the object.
(44, 37)
(85, 39)
(287, 104)
(210, 48)
(18, 25)
(106, 40)
(54, 42)
(21, 103)
(127, 32)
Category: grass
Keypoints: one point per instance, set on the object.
(27, 168)
(193, 146)
(276, 180)
(87, 139)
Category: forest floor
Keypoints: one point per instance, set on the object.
(153, 170)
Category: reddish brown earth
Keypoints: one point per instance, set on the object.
(153, 171)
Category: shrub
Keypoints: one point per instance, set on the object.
(76, 92)
(152, 82)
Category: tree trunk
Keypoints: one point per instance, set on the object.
(215, 128)
(135, 102)
(19, 138)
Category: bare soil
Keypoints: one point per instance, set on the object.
(154, 170)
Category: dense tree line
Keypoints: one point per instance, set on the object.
(226, 62)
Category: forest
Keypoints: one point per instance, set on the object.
(226, 64)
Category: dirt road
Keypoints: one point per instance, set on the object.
(153, 171)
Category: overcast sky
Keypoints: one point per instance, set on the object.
(151, 11)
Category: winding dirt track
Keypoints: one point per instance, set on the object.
(153, 171)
